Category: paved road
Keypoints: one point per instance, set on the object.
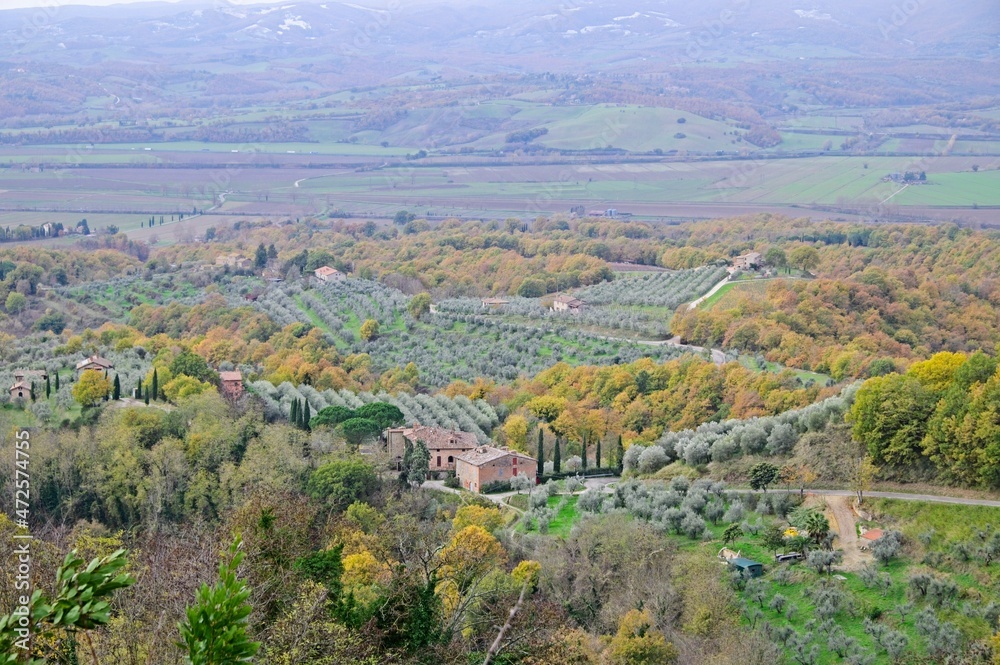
(902, 496)
(710, 293)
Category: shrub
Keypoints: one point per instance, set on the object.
(591, 501)
(652, 459)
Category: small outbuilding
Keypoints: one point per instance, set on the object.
(747, 567)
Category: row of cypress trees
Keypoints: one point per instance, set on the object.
(557, 453)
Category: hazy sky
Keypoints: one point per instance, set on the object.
(17, 4)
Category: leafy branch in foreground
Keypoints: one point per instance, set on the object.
(81, 604)
(215, 632)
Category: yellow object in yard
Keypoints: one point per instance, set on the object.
(791, 532)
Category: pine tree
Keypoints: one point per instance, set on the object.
(556, 458)
(541, 447)
(117, 394)
(156, 385)
(620, 455)
(597, 455)
(48, 387)
(306, 417)
(260, 258)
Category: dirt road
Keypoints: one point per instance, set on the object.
(842, 522)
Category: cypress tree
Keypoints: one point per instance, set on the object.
(48, 387)
(556, 461)
(116, 395)
(138, 389)
(145, 397)
(57, 381)
(541, 448)
(620, 455)
(583, 454)
(306, 417)
(293, 417)
(156, 385)
(32, 391)
(597, 454)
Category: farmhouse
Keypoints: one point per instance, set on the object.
(485, 465)
(231, 384)
(328, 274)
(272, 276)
(748, 261)
(564, 303)
(20, 390)
(444, 445)
(30, 375)
(234, 261)
(96, 363)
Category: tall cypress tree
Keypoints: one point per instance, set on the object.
(48, 387)
(156, 385)
(145, 397)
(556, 461)
(597, 454)
(116, 395)
(620, 455)
(293, 417)
(541, 447)
(583, 453)
(57, 381)
(138, 389)
(306, 417)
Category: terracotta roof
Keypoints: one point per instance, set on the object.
(95, 360)
(485, 454)
(438, 438)
(872, 534)
(326, 271)
(23, 385)
(494, 301)
(230, 376)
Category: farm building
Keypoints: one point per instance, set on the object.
(30, 375)
(747, 566)
(748, 261)
(231, 384)
(564, 303)
(869, 537)
(95, 363)
(328, 274)
(20, 390)
(485, 465)
(444, 445)
(494, 302)
(234, 261)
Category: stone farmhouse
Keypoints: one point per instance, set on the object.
(484, 465)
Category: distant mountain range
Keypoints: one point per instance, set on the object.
(526, 35)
